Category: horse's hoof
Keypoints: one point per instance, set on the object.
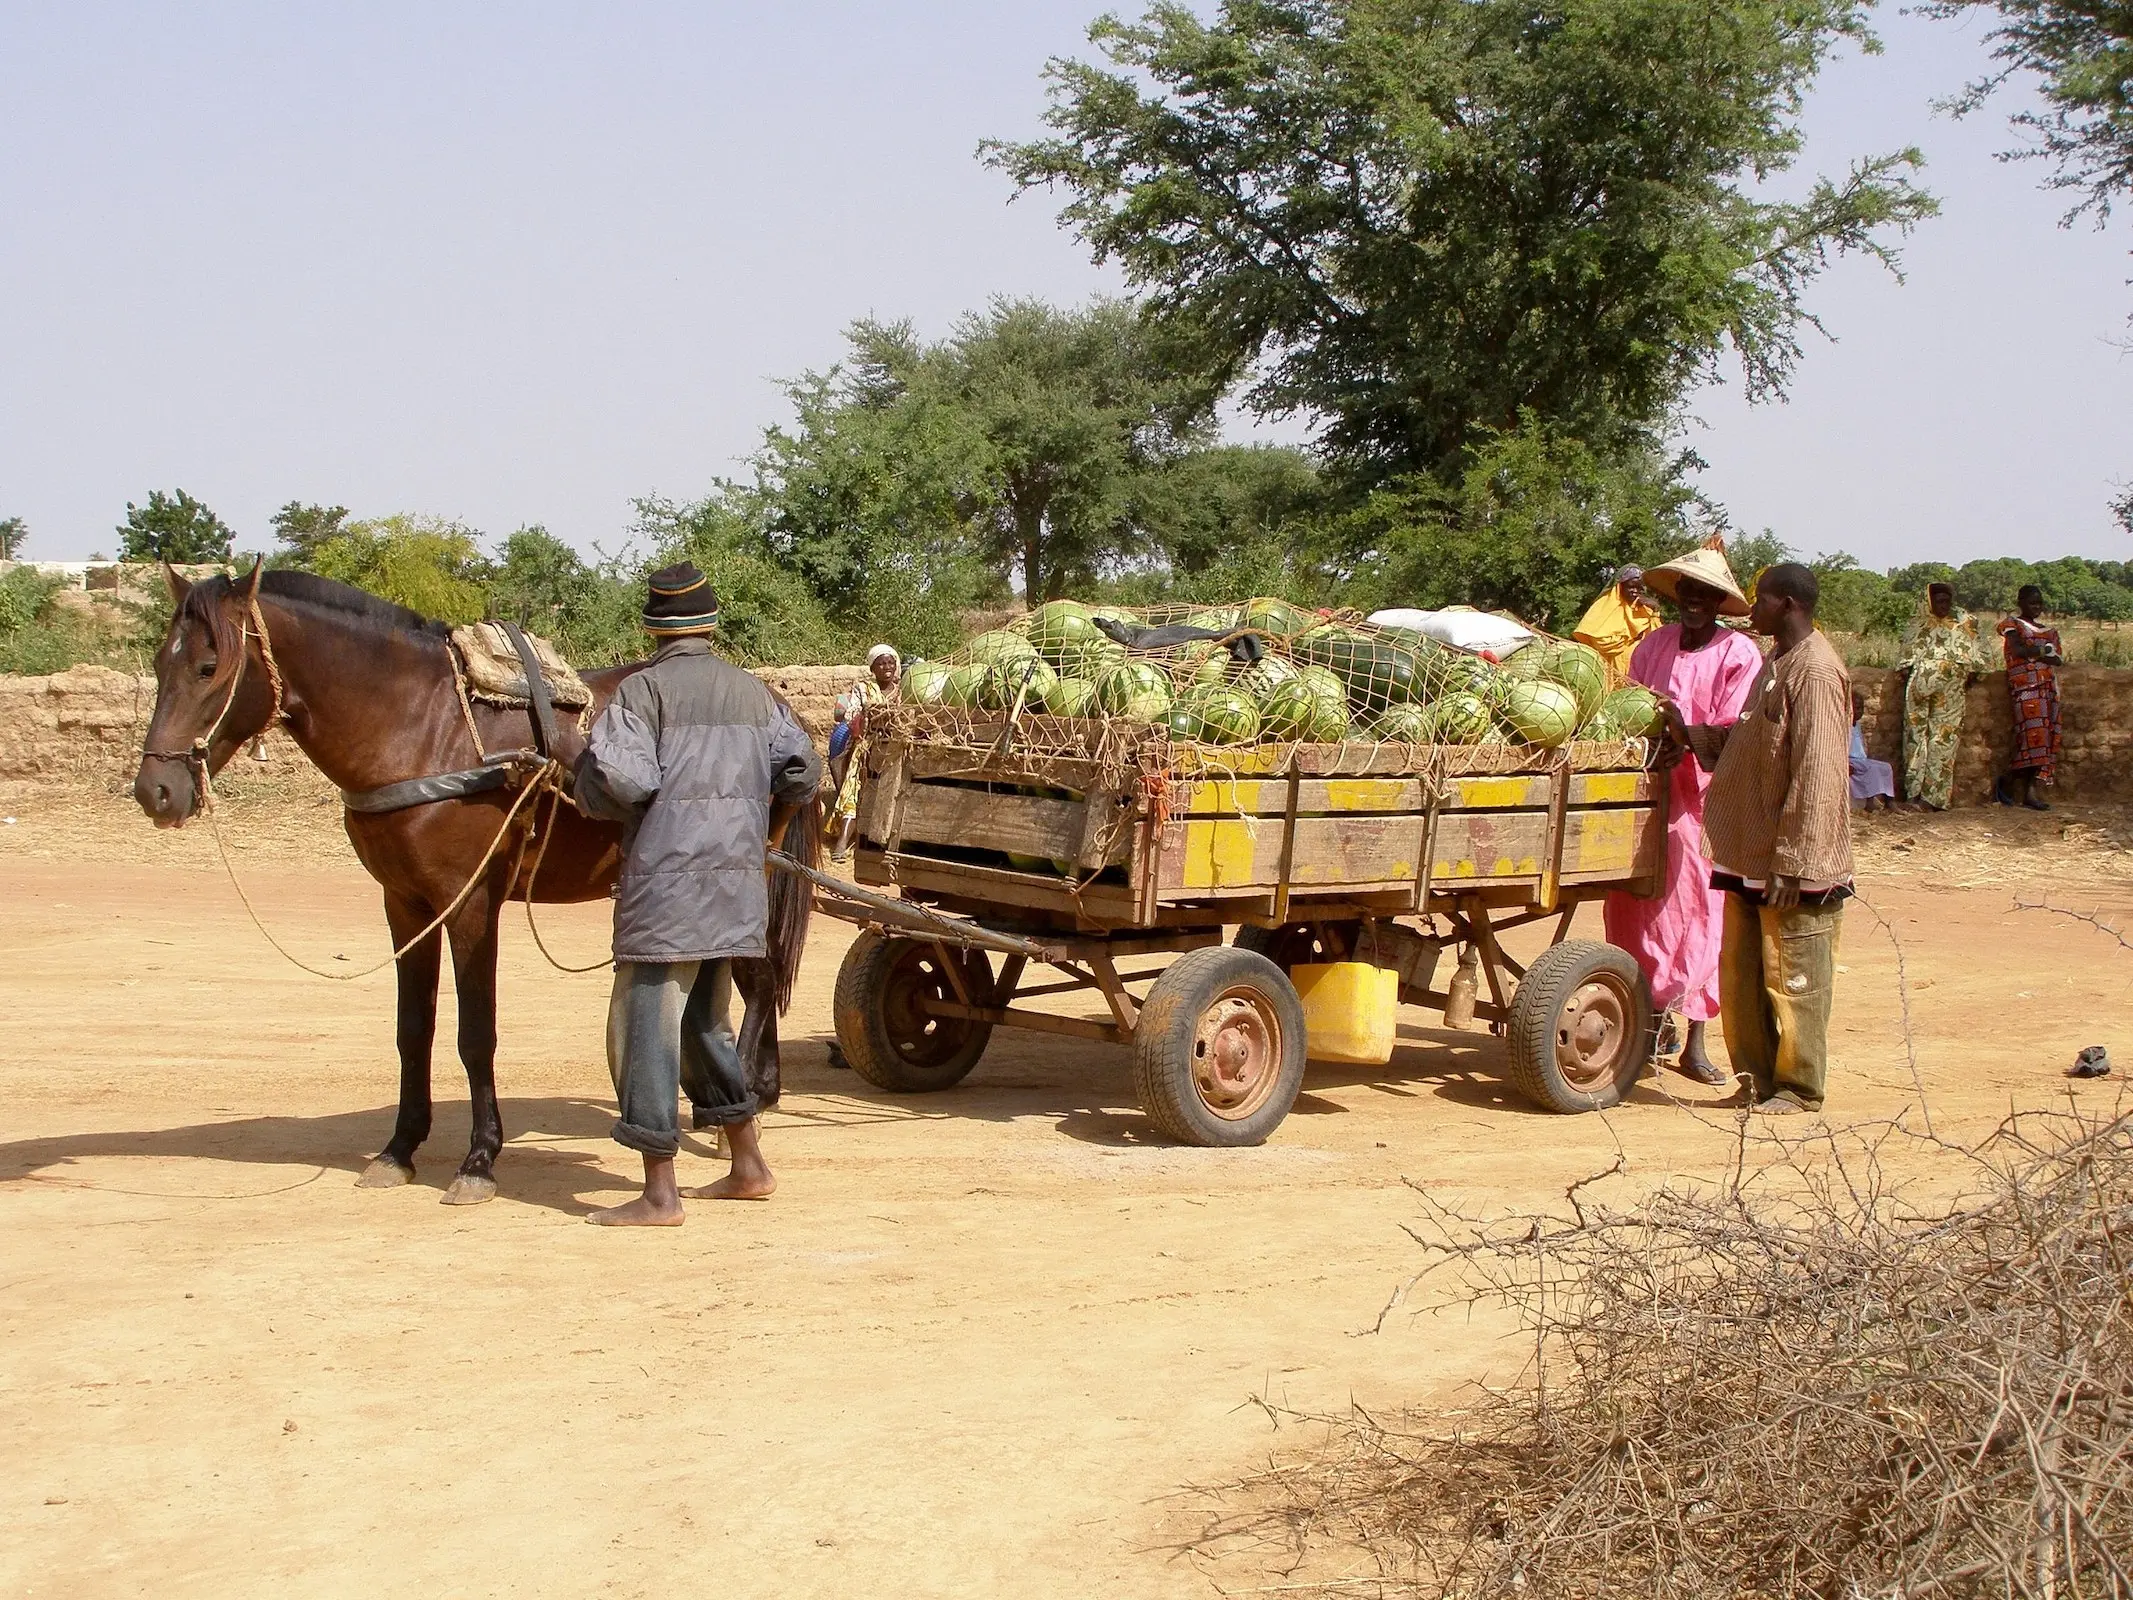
(385, 1173)
(469, 1191)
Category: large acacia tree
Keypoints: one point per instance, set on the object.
(1425, 222)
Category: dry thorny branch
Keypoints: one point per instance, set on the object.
(1806, 1381)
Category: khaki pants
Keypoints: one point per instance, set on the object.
(1776, 982)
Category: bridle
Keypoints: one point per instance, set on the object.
(195, 759)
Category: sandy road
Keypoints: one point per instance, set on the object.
(977, 1345)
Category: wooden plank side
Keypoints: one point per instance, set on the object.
(1489, 844)
(1614, 845)
(1269, 797)
(1219, 853)
(1610, 788)
(1498, 794)
(976, 820)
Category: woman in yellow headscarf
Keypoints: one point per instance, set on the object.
(1943, 651)
(1615, 622)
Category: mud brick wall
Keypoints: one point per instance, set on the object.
(87, 723)
(2096, 716)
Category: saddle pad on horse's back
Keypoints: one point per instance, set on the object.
(494, 674)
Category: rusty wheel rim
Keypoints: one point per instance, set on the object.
(1236, 1054)
(1592, 1033)
(920, 1037)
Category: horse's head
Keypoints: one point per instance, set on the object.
(213, 693)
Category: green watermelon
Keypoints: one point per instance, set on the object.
(1602, 729)
(1267, 674)
(1226, 716)
(1135, 690)
(1090, 658)
(1303, 709)
(1375, 674)
(1023, 863)
(1042, 680)
(973, 686)
(1461, 717)
(1214, 665)
(1540, 711)
(1532, 660)
(1220, 618)
(1633, 708)
(1277, 617)
(1058, 627)
(1404, 724)
(923, 682)
(1072, 697)
(999, 648)
(1580, 669)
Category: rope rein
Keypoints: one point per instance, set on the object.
(544, 779)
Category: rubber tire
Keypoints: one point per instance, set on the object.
(1557, 974)
(862, 990)
(1291, 946)
(1168, 1029)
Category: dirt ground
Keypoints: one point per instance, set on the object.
(989, 1342)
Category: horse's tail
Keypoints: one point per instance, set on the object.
(792, 899)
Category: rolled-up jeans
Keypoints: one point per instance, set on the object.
(666, 1032)
(1776, 984)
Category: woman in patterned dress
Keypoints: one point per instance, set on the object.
(1943, 651)
(2032, 652)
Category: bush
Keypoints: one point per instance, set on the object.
(768, 616)
(428, 564)
(590, 612)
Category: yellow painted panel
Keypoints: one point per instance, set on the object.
(1490, 793)
(1602, 841)
(1218, 854)
(1227, 795)
(1607, 787)
(1367, 794)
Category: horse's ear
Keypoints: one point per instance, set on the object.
(248, 588)
(180, 585)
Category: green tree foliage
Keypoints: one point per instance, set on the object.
(303, 528)
(14, 533)
(767, 613)
(589, 610)
(1536, 524)
(174, 528)
(428, 564)
(1420, 222)
(2081, 54)
(1198, 509)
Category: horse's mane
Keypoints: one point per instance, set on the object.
(204, 603)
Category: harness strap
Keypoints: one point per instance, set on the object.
(495, 772)
(541, 705)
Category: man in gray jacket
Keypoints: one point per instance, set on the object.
(703, 766)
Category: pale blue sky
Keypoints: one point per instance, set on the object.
(523, 263)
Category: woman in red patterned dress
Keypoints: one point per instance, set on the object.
(2032, 652)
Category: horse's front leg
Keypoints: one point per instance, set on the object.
(474, 944)
(416, 1033)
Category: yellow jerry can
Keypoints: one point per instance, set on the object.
(1351, 1010)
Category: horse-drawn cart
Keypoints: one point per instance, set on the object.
(998, 846)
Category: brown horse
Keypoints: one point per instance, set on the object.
(367, 690)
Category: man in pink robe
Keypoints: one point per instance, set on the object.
(1707, 671)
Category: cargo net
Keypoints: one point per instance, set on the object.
(1253, 687)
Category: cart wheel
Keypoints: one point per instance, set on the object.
(889, 1037)
(1581, 1026)
(1296, 944)
(1218, 1055)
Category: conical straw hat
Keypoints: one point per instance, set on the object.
(1707, 567)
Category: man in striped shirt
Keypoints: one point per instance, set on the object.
(1777, 829)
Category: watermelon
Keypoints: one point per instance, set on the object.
(1072, 697)
(923, 681)
(1447, 671)
(1090, 658)
(1375, 674)
(1221, 716)
(1267, 674)
(1278, 617)
(1633, 709)
(999, 648)
(1580, 669)
(1042, 680)
(1405, 724)
(1023, 863)
(1211, 663)
(1540, 711)
(973, 686)
(1219, 618)
(1135, 690)
(1303, 709)
(1058, 627)
(1461, 717)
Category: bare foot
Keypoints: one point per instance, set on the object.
(736, 1186)
(639, 1213)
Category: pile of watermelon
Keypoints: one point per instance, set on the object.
(1317, 681)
